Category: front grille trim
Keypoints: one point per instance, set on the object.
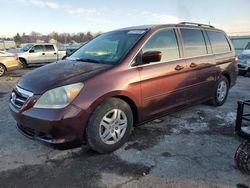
(20, 96)
(23, 92)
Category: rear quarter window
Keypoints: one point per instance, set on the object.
(218, 42)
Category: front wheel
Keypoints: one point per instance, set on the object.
(109, 126)
(23, 63)
(220, 91)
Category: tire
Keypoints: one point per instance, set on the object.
(23, 63)
(220, 92)
(107, 132)
(2, 70)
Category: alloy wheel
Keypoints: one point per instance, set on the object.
(113, 126)
(2, 70)
(221, 91)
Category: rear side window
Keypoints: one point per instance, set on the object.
(164, 41)
(218, 41)
(194, 43)
(49, 48)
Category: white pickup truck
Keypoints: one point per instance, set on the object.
(39, 53)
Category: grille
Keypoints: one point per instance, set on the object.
(19, 97)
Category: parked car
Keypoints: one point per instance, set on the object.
(5, 53)
(40, 53)
(8, 62)
(244, 61)
(123, 78)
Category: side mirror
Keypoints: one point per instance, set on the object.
(151, 56)
(32, 51)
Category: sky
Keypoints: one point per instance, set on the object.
(73, 16)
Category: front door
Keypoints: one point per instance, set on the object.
(163, 83)
(36, 54)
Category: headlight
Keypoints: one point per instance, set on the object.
(59, 97)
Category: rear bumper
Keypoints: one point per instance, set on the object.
(57, 126)
(14, 67)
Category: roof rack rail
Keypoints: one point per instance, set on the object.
(197, 24)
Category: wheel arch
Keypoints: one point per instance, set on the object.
(131, 104)
(129, 99)
(227, 75)
(22, 58)
(3, 66)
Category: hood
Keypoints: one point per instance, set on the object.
(58, 74)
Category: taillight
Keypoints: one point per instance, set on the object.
(17, 58)
(236, 60)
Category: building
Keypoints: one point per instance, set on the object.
(7, 44)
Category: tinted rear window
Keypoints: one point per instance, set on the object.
(194, 43)
(218, 41)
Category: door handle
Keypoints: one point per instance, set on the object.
(193, 65)
(43, 53)
(55, 53)
(179, 67)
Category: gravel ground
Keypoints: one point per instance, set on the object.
(190, 148)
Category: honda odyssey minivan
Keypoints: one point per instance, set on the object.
(121, 79)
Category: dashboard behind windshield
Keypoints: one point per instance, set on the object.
(109, 47)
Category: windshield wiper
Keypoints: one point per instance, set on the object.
(88, 60)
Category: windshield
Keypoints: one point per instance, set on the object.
(109, 47)
(248, 46)
(26, 47)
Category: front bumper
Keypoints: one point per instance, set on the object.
(53, 126)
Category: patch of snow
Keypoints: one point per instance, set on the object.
(230, 117)
(219, 116)
(192, 127)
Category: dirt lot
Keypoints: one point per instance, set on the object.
(190, 148)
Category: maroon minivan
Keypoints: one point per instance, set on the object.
(123, 78)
